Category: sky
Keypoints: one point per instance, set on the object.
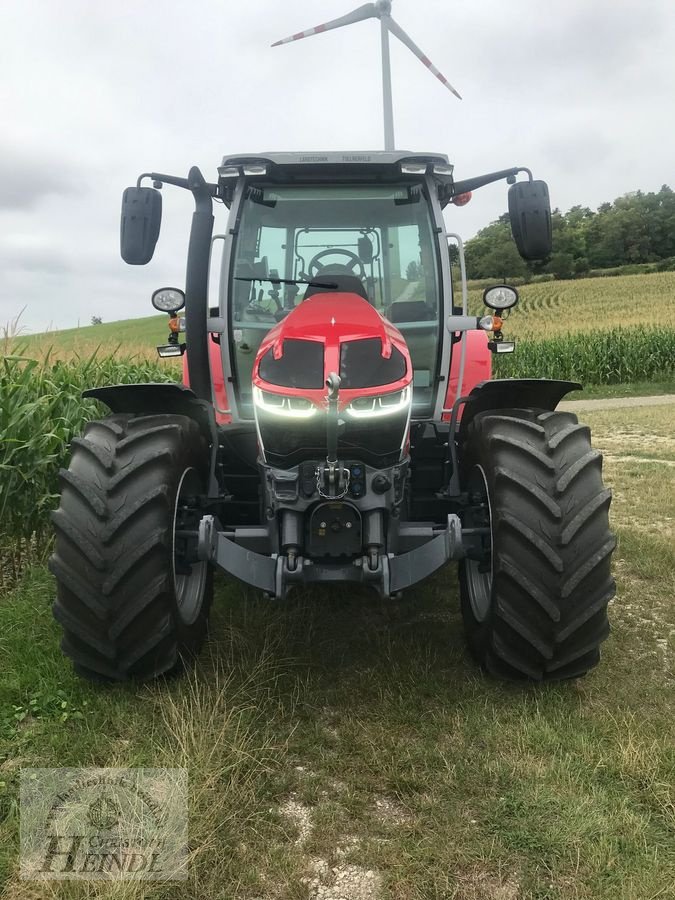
(93, 93)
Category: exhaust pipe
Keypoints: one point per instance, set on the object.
(197, 286)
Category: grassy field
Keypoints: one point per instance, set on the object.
(128, 338)
(344, 747)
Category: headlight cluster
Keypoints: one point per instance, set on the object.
(381, 405)
(287, 407)
(361, 408)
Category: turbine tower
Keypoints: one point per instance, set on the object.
(381, 10)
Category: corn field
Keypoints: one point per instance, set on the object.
(41, 409)
(554, 308)
(618, 356)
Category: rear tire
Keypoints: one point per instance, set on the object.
(538, 608)
(125, 613)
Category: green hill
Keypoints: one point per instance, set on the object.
(128, 337)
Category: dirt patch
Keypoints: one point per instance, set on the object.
(337, 786)
(477, 885)
(343, 882)
(326, 882)
(391, 812)
(300, 816)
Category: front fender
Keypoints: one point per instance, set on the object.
(518, 393)
(161, 398)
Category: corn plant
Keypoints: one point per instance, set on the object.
(41, 409)
(617, 356)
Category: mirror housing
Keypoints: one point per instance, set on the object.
(530, 215)
(139, 225)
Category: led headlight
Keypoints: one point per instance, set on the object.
(279, 405)
(382, 405)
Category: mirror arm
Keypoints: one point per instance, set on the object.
(159, 178)
(472, 184)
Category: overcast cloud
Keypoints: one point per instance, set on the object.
(92, 94)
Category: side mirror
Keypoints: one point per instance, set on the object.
(530, 215)
(139, 226)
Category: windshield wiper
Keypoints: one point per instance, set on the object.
(331, 285)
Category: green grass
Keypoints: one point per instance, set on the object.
(130, 335)
(340, 732)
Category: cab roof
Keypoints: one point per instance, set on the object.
(334, 165)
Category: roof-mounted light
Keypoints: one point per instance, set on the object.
(413, 168)
(443, 169)
(255, 169)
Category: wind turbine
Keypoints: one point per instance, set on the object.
(381, 10)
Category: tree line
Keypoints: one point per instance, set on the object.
(635, 229)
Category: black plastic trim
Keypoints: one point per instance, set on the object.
(515, 393)
(158, 398)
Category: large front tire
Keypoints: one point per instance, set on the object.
(125, 609)
(536, 606)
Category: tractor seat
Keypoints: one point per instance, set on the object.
(346, 284)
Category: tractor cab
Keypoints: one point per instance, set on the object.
(365, 224)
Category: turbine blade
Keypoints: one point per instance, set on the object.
(367, 11)
(412, 46)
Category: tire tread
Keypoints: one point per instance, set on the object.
(112, 559)
(551, 581)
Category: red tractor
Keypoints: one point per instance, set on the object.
(337, 424)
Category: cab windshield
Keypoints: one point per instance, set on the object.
(373, 240)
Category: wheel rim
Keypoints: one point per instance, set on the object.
(189, 589)
(479, 582)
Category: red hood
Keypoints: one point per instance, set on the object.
(332, 319)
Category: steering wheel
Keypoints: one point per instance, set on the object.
(353, 266)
